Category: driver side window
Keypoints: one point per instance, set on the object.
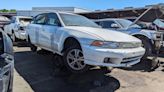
(40, 19)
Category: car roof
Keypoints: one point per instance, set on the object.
(109, 19)
(59, 12)
(23, 17)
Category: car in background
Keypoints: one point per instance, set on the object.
(148, 37)
(4, 21)
(158, 24)
(6, 63)
(82, 42)
(16, 29)
(142, 24)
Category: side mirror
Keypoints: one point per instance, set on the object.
(114, 25)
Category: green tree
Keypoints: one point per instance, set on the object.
(5, 10)
(13, 10)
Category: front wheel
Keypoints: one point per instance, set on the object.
(74, 60)
(148, 47)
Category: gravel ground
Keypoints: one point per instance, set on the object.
(36, 72)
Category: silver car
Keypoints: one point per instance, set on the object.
(6, 63)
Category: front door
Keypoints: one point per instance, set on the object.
(48, 33)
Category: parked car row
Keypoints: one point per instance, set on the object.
(16, 28)
(80, 41)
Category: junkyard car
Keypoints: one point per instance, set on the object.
(148, 37)
(159, 23)
(4, 21)
(6, 63)
(82, 42)
(16, 29)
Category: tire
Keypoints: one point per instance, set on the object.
(71, 61)
(147, 45)
(32, 47)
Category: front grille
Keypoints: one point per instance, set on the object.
(130, 59)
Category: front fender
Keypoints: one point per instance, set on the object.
(81, 37)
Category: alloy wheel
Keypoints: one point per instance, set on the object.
(75, 59)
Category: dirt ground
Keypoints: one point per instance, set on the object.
(36, 72)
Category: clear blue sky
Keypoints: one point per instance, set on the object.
(87, 4)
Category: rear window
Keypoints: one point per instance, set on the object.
(25, 20)
(1, 44)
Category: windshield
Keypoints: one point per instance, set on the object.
(77, 20)
(25, 20)
(126, 23)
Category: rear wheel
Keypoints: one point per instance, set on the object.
(32, 47)
(74, 60)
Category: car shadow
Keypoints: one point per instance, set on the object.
(143, 66)
(41, 74)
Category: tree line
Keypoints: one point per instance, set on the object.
(8, 11)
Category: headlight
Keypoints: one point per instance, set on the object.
(116, 45)
(157, 36)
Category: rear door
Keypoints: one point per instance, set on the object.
(35, 28)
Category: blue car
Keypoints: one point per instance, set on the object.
(148, 37)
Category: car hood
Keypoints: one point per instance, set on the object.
(105, 34)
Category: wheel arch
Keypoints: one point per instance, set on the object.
(140, 36)
(69, 40)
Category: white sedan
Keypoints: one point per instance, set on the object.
(16, 29)
(81, 42)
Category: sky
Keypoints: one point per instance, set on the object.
(86, 4)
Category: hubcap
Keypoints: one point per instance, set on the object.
(75, 59)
